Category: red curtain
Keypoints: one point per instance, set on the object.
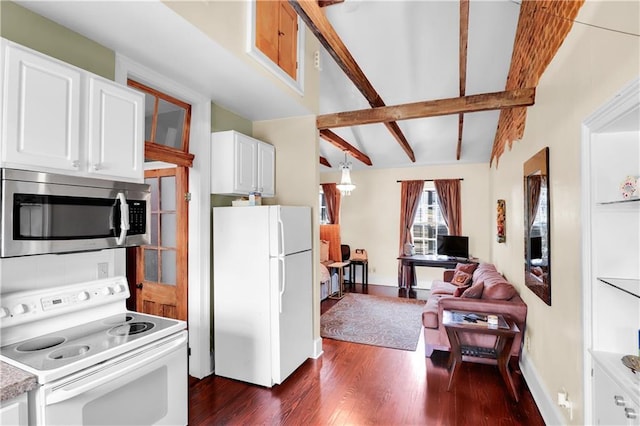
(332, 198)
(449, 201)
(410, 194)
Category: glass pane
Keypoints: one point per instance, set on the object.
(168, 193)
(154, 229)
(170, 122)
(168, 229)
(149, 106)
(153, 183)
(151, 265)
(169, 267)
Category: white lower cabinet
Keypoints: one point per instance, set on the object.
(241, 164)
(14, 411)
(612, 404)
(62, 119)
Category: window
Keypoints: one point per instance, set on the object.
(324, 216)
(428, 223)
(167, 123)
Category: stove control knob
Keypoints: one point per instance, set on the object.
(4, 312)
(118, 289)
(20, 309)
(83, 295)
(106, 291)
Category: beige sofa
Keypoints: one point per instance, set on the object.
(488, 292)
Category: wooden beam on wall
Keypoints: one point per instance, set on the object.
(463, 104)
(464, 37)
(340, 143)
(325, 3)
(324, 161)
(320, 26)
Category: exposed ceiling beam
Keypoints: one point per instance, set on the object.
(324, 161)
(337, 141)
(464, 37)
(463, 104)
(325, 3)
(320, 26)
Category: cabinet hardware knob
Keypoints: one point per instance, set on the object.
(75, 164)
(139, 285)
(619, 400)
(96, 167)
(630, 413)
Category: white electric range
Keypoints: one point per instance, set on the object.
(95, 362)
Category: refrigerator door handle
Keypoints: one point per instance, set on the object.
(281, 229)
(283, 281)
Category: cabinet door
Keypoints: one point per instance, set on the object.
(611, 405)
(115, 131)
(266, 169)
(14, 411)
(245, 177)
(288, 39)
(42, 112)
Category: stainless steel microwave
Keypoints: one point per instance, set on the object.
(48, 213)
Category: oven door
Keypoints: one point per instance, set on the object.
(147, 386)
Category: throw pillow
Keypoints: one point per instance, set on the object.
(473, 292)
(466, 267)
(460, 290)
(324, 251)
(461, 278)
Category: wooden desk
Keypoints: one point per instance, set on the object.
(429, 260)
(338, 266)
(498, 355)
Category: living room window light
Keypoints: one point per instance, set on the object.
(428, 222)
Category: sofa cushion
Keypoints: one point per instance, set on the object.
(460, 290)
(497, 288)
(474, 292)
(461, 278)
(484, 271)
(466, 267)
(442, 287)
(430, 311)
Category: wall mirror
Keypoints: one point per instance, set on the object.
(537, 226)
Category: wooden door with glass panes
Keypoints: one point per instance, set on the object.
(161, 266)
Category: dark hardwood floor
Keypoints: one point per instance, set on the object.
(359, 384)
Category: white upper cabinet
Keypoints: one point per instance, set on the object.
(61, 119)
(115, 130)
(241, 164)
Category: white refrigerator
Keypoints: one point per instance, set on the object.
(262, 292)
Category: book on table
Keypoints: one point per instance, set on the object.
(477, 319)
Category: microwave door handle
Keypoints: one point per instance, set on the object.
(124, 219)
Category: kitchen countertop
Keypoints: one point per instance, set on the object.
(14, 382)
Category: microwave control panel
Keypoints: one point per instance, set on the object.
(137, 217)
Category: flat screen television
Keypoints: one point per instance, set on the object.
(453, 246)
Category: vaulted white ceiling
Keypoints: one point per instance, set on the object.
(409, 51)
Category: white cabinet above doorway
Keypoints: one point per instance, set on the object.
(241, 164)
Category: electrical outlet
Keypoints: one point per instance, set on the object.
(373, 269)
(527, 343)
(563, 401)
(103, 270)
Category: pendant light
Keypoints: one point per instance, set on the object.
(345, 186)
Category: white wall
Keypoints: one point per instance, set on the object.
(296, 142)
(590, 67)
(370, 216)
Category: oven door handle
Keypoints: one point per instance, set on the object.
(124, 218)
(113, 371)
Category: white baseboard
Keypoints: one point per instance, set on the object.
(317, 348)
(546, 403)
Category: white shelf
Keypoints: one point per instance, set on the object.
(628, 285)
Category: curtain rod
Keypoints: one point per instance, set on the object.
(426, 180)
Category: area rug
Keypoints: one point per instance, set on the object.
(391, 322)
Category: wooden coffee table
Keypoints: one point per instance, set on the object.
(456, 322)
